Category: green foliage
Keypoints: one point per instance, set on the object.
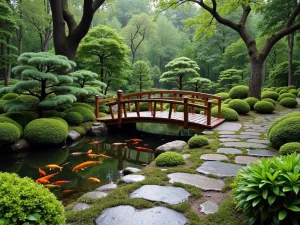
(8, 120)
(143, 107)
(280, 89)
(73, 118)
(2, 104)
(240, 106)
(59, 119)
(239, 92)
(264, 107)
(22, 103)
(84, 105)
(26, 202)
(9, 133)
(228, 79)
(283, 91)
(226, 113)
(85, 112)
(290, 148)
(251, 101)
(289, 102)
(267, 192)
(279, 74)
(293, 91)
(270, 94)
(298, 94)
(60, 114)
(141, 76)
(10, 96)
(223, 95)
(80, 130)
(227, 101)
(18, 117)
(286, 95)
(269, 100)
(46, 131)
(198, 141)
(169, 159)
(199, 84)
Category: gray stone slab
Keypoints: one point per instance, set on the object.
(213, 157)
(175, 146)
(80, 206)
(107, 187)
(200, 181)
(226, 132)
(258, 141)
(166, 194)
(133, 178)
(244, 145)
(256, 130)
(95, 194)
(130, 170)
(185, 156)
(229, 126)
(229, 139)
(246, 160)
(261, 153)
(245, 136)
(250, 133)
(220, 169)
(232, 151)
(128, 215)
(207, 132)
(209, 207)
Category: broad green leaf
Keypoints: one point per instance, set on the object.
(252, 196)
(271, 200)
(282, 214)
(294, 208)
(286, 189)
(296, 189)
(255, 202)
(265, 193)
(31, 218)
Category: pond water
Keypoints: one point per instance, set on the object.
(28, 163)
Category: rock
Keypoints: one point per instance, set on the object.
(130, 170)
(250, 133)
(200, 181)
(258, 141)
(166, 194)
(220, 169)
(95, 194)
(174, 146)
(207, 132)
(163, 169)
(80, 206)
(98, 130)
(73, 135)
(209, 207)
(185, 156)
(133, 178)
(232, 151)
(239, 136)
(213, 157)
(246, 160)
(261, 153)
(226, 132)
(19, 145)
(128, 215)
(244, 145)
(228, 139)
(229, 126)
(107, 187)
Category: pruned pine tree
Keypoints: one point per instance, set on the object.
(43, 78)
(141, 79)
(228, 78)
(155, 75)
(199, 84)
(180, 71)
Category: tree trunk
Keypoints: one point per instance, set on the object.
(255, 77)
(180, 81)
(20, 33)
(106, 89)
(8, 51)
(291, 50)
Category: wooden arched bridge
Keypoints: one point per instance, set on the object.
(121, 108)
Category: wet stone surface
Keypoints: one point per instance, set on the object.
(244, 145)
(238, 136)
(107, 187)
(213, 157)
(226, 132)
(185, 156)
(232, 151)
(258, 141)
(130, 170)
(209, 207)
(133, 178)
(246, 160)
(261, 153)
(95, 194)
(229, 139)
(229, 126)
(80, 206)
(250, 133)
(220, 169)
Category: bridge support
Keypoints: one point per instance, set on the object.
(119, 99)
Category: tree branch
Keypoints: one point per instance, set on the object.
(97, 4)
(293, 16)
(68, 17)
(244, 17)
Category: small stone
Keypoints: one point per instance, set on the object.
(185, 156)
(80, 206)
(232, 151)
(250, 133)
(133, 178)
(163, 169)
(209, 207)
(229, 126)
(244, 145)
(107, 187)
(99, 130)
(229, 139)
(73, 135)
(174, 146)
(258, 141)
(130, 170)
(226, 132)
(207, 132)
(261, 153)
(240, 136)
(19, 145)
(219, 169)
(213, 157)
(246, 160)
(95, 194)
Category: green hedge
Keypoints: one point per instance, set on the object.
(286, 95)
(169, 159)
(19, 117)
(239, 92)
(283, 91)
(240, 106)
(143, 107)
(289, 102)
(223, 95)
(73, 118)
(26, 202)
(269, 100)
(10, 96)
(9, 133)
(84, 105)
(270, 94)
(87, 114)
(251, 101)
(290, 148)
(8, 120)
(226, 113)
(198, 141)
(60, 119)
(60, 114)
(264, 107)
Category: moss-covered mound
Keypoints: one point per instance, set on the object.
(289, 102)
(269, 100)
(293, 91)
(2, 103)
(198, 141)
(26, 202)
(279, 89)
(270, 94)
(9, 133)
(286, 95)
(223, 95)
(60, 114)
(290, 148)
(227, 101)
(86, 113)
(283, 91)
(73, 118)
(60, 119)
(169, 159)
(8, 120)
(10, 96)
(239, 92)
(251, 101)
(46, 132)
(19, 117)
(226, 113)
(84, 105)
(264, 107)
(240, 106)
(298, 94)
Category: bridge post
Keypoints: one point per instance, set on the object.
(209, 104)
(119, 100)
(186, 112)
(97, 106)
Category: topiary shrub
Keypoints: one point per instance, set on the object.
(227, 101)
(60, 119)
(9, 133)
(267, 192)
(60, 114)
(288, 102)
(84, 105)
(87, 115)
(26, 202)
(293, 91)
(8, 120)
(283, 91)
(223, 95)
(279, 89)
(226, 113)
(46, 131)
(143, 107)
(269, 100)
(270, 94)
(18, 117)
(73, 118)
(50, 113)
(239, 92)
(264, 107)
(224, 106)
(198, 141)
(169, 159)
(240, 106)
(288, 130)
(101, 114)
(10, 96)
(286, 95)
(291, 87)
(251, 101)
(290, 148)
(2, 103)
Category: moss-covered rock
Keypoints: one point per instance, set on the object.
(290, 148)
(227, 101)
(19, 117)
(269, 100)
(293, 91)
(84, 105)
(223, 95)
(9, 133)
(10, 96)
(73, 118)
(198, 141)
(251, 101)
(169, 159)
(86, 113)
(286, 95)
(8, 120)
(270, 94)
(283, 91)
(240, 106)
(239, 92)
(226, 113)
(60, 119)
(264, 107)
(2, 103)
(80, 130)
(289, 102)
(60, 114)
(279, 89)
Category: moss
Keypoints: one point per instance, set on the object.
(223, 95)
(270, 94)
(8, 120)
(2, 103)
(59, 119)
(101, 114)
(85, 105)
(169, 159)
(198, 141)
(226, 113)
(87, 126)
(73, 118)
(240, 106)
(264, 107)
(85, 112)
(10, 96)
(290, 148)
(50, 113)
(143, 107)
(298, 94)
(228, 184)
(289, 102)
(18, 117)
(79, 129)
(283, 91)
(293, 91)
(251, 101)
(9, 133)
(239, 92)
(286, 95)
(269, 100)
(279, 89)
(60, 114)
(194, 191)
(227, 101)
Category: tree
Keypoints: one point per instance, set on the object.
(216, 11)
(228, 79)
(155, 75)
(114, 23)
(103, 51)
(279, 75)
(66, 43)
(180, 70)
(141, 76)
(198, 83)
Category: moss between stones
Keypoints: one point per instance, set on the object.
(288, 102)
(240, 106)
(264, 107)
(290, 148)
(239, 92)
(9, 133)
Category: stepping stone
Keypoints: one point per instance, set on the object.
(258, 141)
(133, 178)
(246, 160)
(232, 151)
(261, 153)
(251, 133)
(185, 156)
(80, 206)
(213, 157)
(200, 181)
(166, 194)
(244, 145)
(229, 126)
(220, 169)
(209, 207)
(107, 187)
(245, 136)
(128, 215)
(207, 132)
(256, 130)
(130, 170)
(175, 146)
(95, 194)
(226, 132)
(163, 169)
(229, 139)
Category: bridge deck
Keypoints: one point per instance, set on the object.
(195, 121)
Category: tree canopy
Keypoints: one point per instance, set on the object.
(141, 79)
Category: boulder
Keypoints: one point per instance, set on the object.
(19, 145)
(98, 129)
(73, 135)
(174, 146)
(130, 170)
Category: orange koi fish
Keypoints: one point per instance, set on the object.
(135, 143)
(104, 156)
(60, 182)
(51, 186)
(143, 149)
(42, 172)
(93, 155)
(134, 140)
(94, 142)
(42, 181)
(93, 179)
(68, 191)
(49, 176)
(53, 166)
(90, 151)
(85, 164)
(145, 145)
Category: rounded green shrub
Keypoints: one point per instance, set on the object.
(143, 107)
(223, 95)
(32, 101)
(26, 202)
(290, 148)
(286, 95)
(60, 119)
(30, 115)
(60, 114)
(198, 141)
(169, 159)
(264, 107)
(269, 100)
(226, 113)
(2, 103)
(298, 95)
(10, 96)
(18, 117)
(293, 91)
(279, 89)
(224, 106)
(227, 101)
(46, 131)
(83, 105)
(9, 133)
(283, 91)
(8, 120)
(288, 130)
(240, 106)
(239, 92)
(87, 114)
(264, 192)
(251, 101)
(270, 94)
(79, 129)
(102, 114)
(289, 102)
(73, 118)
(291, 87)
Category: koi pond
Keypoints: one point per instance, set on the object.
(152, 136)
